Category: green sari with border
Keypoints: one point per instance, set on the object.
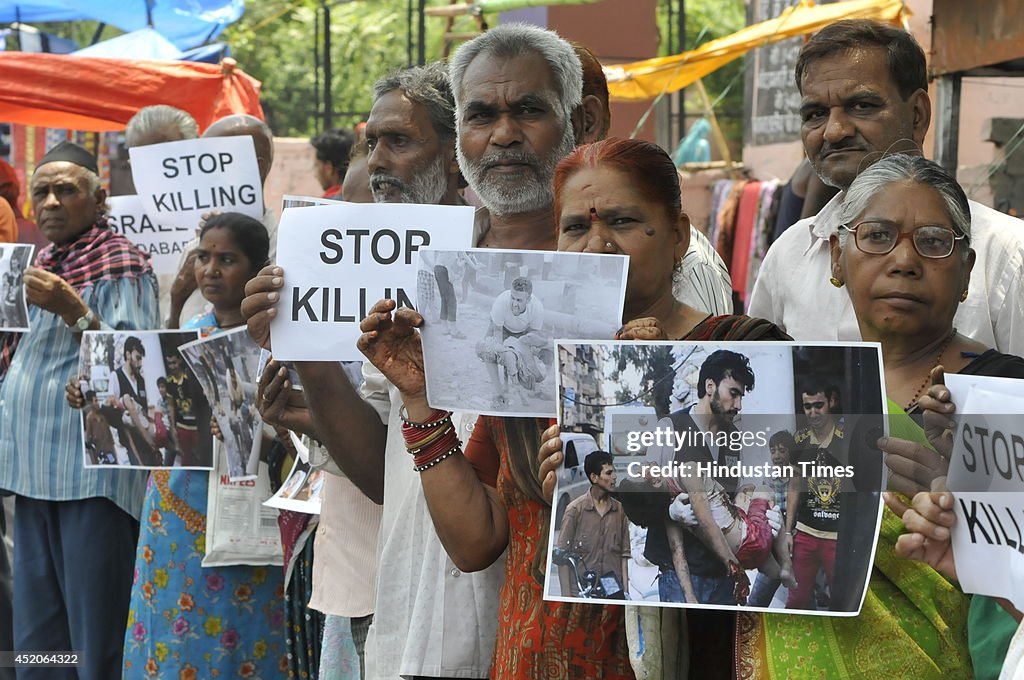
(913, 623)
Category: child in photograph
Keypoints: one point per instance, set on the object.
(99, 441)
(781, 445)
(515, 342)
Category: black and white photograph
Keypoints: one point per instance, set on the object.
(718, 475)
(143, 407)
(225, 366)
(14, 257)
(491, 316)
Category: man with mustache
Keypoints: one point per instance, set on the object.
(518, 94)
(411, 144)
(864, 92)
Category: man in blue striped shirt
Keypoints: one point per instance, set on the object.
(75, 529)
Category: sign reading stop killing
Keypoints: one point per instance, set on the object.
(179, 181)
(339, 260)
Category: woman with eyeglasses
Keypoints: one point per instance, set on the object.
(903, 254)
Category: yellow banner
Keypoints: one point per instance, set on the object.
(649, 78)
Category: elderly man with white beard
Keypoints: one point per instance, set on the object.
(430, 620)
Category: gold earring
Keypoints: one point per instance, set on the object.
(963, 296)
(836, 282)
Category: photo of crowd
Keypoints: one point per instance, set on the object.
(707, 493)
(143, 407)
(499, 311)
(225, 366)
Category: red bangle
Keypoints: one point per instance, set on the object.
(414, 433)
(437, 451)
(420, 443)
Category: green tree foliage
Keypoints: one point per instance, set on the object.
(707, 20)
(654, 363)
(274, 41)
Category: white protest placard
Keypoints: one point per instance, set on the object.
(339, 260)
(986, 476)
(179, 181)
(163, 243)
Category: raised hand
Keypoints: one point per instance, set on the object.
(184, 283)
(262, 293)
(73, 393)
(391, 343)
(279, 404)
(929, 521)
(913, 467)
(937, 405)
(48, 291)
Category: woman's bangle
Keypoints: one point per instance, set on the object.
(436, 419)
(450, 452)
(440, 448)
(416, 445)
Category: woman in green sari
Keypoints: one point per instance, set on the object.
(903, 254)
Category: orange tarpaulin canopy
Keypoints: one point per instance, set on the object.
(101, 95)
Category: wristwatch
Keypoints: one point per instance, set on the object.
(83, 322)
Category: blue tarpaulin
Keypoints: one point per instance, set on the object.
(186, 23)
(144, 43)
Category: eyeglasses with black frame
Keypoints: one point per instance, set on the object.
(932, 241)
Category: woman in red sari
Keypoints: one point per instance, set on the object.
(615, 196)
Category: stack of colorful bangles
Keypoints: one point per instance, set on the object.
(431, 441)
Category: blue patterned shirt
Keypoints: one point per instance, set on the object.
(41, 451)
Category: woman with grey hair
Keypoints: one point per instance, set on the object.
(903, 254)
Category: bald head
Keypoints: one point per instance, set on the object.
(243, 124)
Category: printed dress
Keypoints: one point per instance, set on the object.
(537, 639)
(187, 622)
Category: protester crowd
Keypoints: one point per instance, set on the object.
(431, 565)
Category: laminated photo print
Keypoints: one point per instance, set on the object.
(143, 407)
(491, 315)
(14, 257)
(721, 475)
(225, 366)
